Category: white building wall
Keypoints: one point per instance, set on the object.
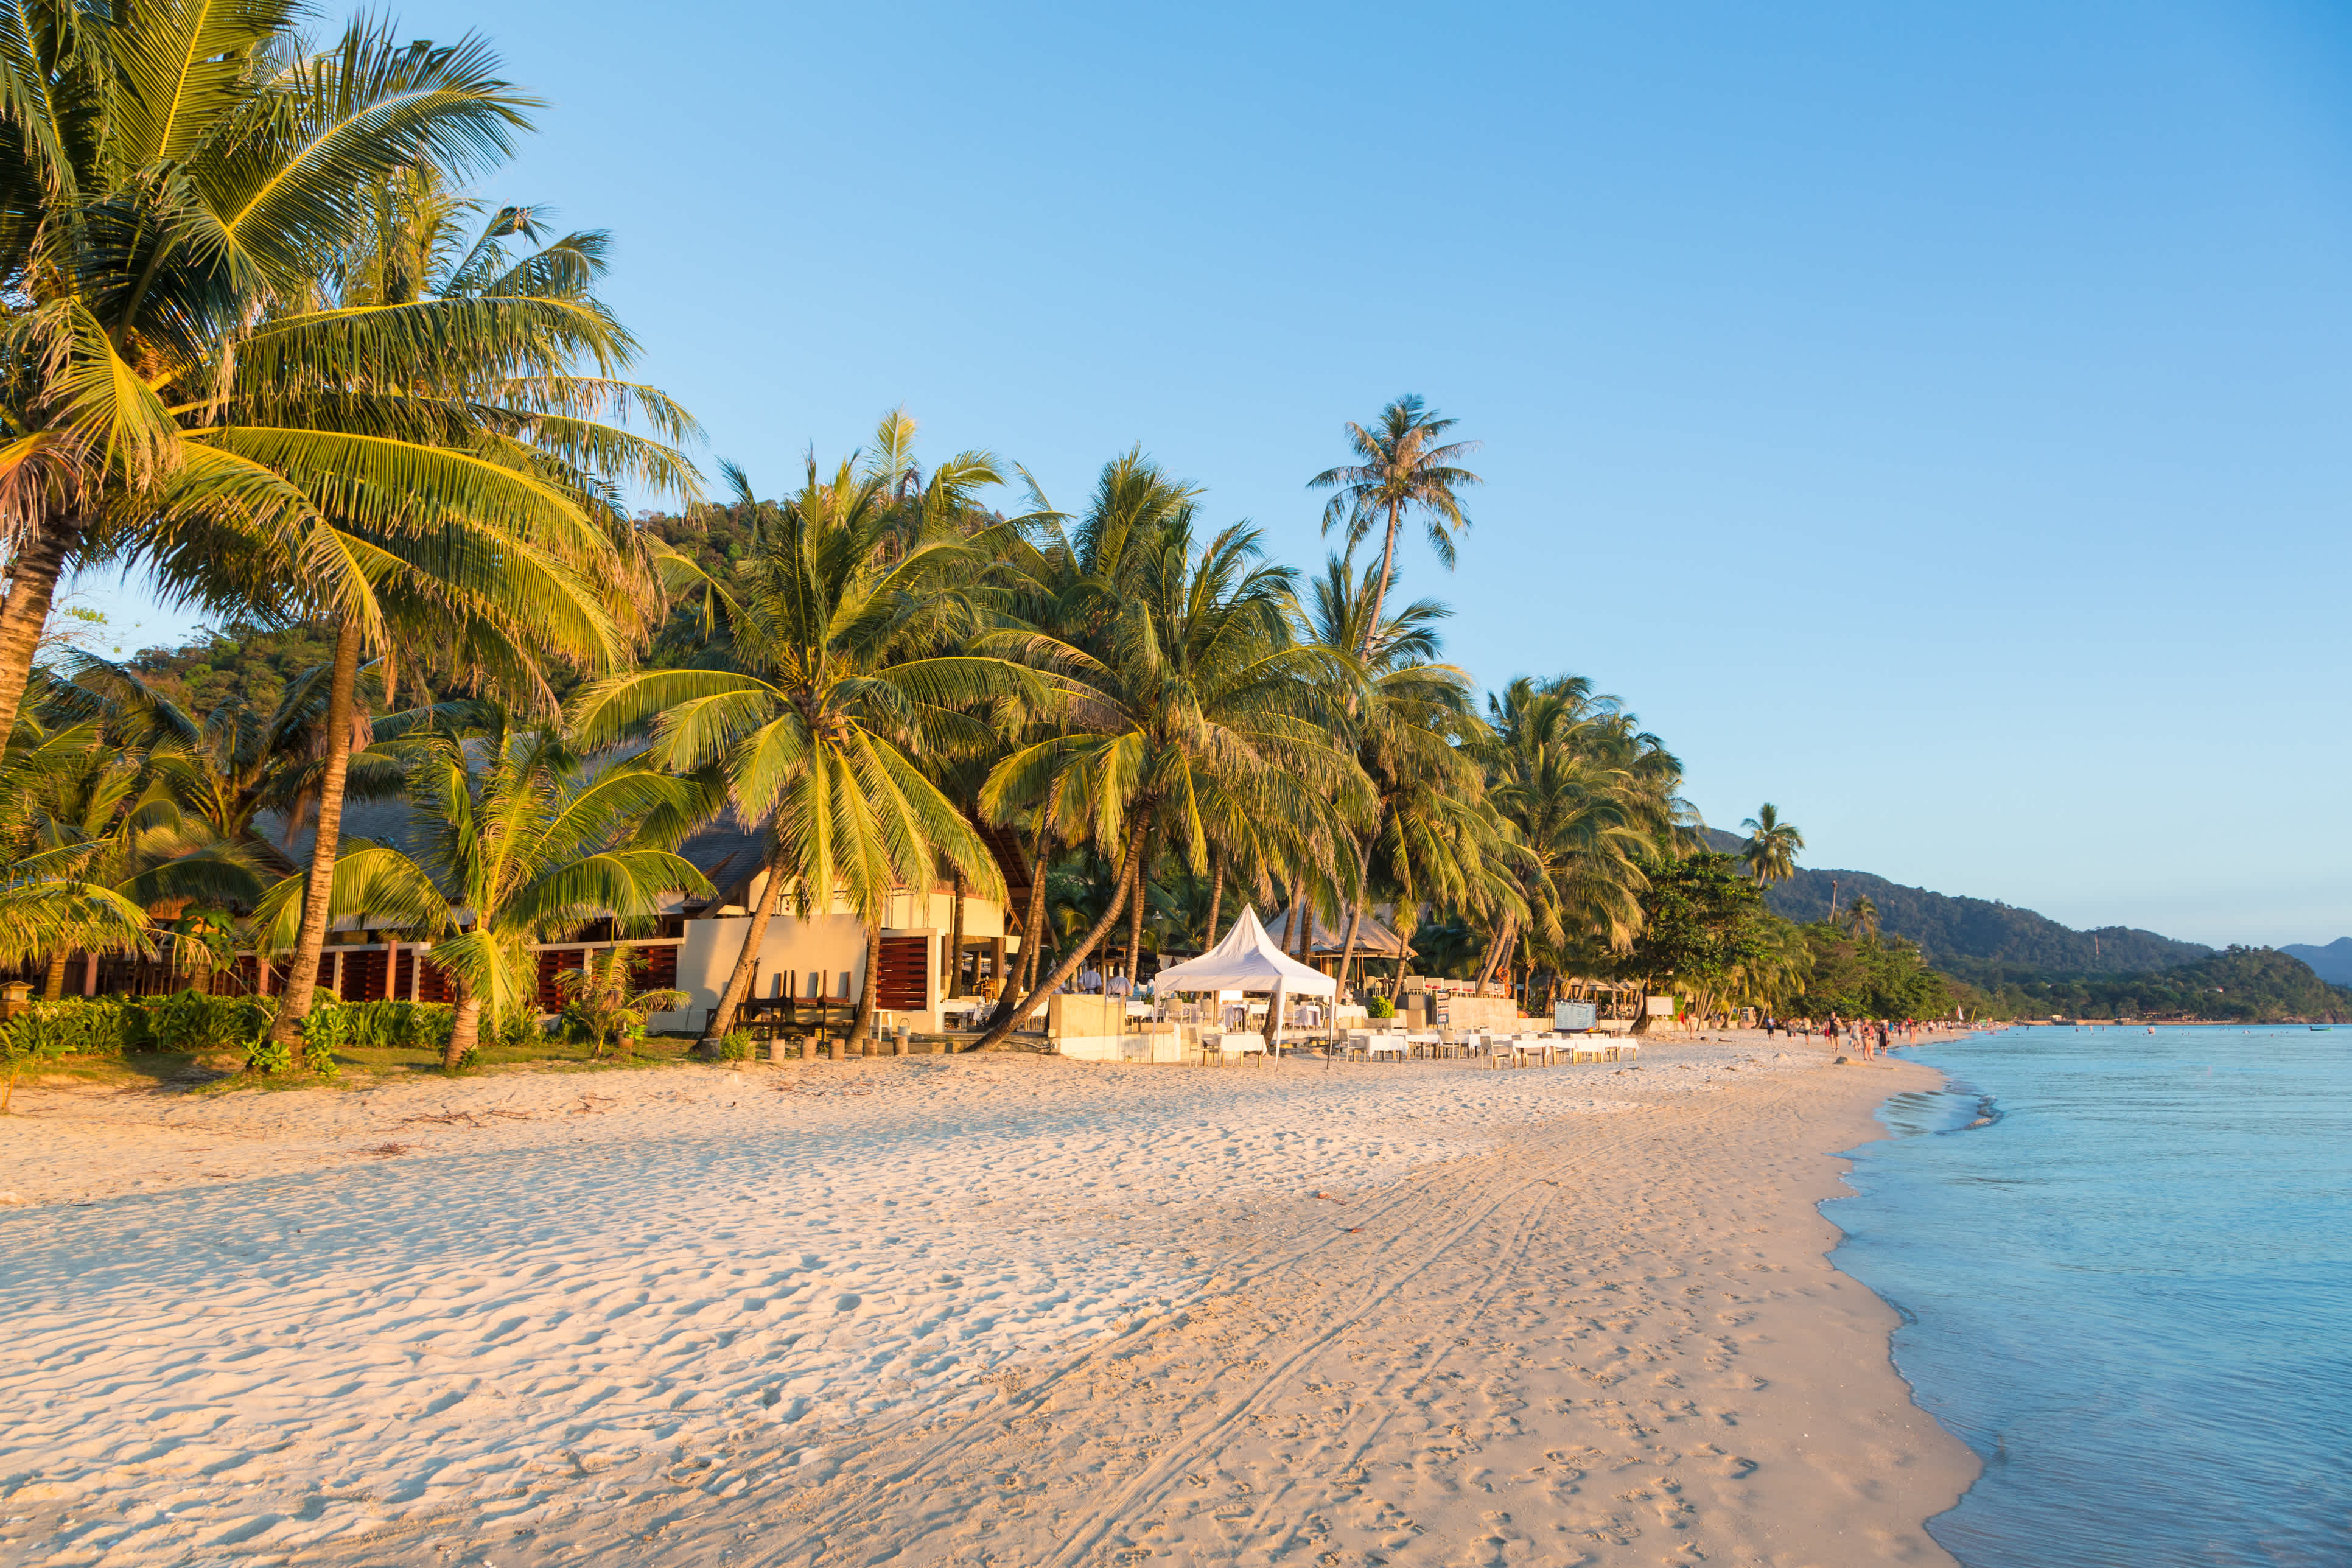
(830, 944)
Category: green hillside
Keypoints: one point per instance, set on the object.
(2240, 983)
(2025, 944)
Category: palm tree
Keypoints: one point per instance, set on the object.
(172, 172)
(1772, 848)
(1188, 704)
(1403, 468)
(489, 372)
(1860, 920)
(238, 761)
(839, 670)
(97, 842)
(1408, 714)
(516, 838)
(1586, 795)
(603, 1000)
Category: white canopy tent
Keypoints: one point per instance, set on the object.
(1247, 960)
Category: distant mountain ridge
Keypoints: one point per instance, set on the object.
(1993, 933)
(2332, 964)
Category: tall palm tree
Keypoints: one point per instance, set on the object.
(492, 368)
(1408, 715)
(1771, 848)
(1402, 466)
(170, 173)
(1187, 701)
(515, 839)
(839, 668)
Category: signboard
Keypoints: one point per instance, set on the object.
(1658, 1006)
(1573, 1015)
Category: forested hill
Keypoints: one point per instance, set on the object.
(1948, 928)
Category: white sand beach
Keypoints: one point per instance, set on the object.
(994, 1309)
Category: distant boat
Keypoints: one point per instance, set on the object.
(2321, 1029)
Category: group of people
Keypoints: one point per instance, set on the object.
(1869, 1037)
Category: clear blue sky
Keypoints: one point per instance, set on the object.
(1936, 420)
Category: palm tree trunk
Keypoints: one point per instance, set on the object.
(32, 583)
(738, 983)
(1032, 935)
(465, 1026)
(955, 941)
(1503, 939)
(863, 1027)
(1078, 950)
(1216, 896)
(53, 983)
(1354, 915)
(1388, 570)
(1135, 929)
(310, 941)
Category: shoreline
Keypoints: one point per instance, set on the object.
(1056, 1313)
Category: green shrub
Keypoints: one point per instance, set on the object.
(267, 1056)
(735, 1047)
(195, 1022)
(81, 1027)
(1379, 1006)
(379, 1026)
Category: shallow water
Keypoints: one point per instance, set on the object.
(2125, 1261)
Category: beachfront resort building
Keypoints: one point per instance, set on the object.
(937, 944)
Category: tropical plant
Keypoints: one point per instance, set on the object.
(840, 666)
(94, 840)
(515, 839)
(601, 1001)
(1402, 466)
(1770, 852)
(238, 760)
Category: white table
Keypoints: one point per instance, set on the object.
(1235, 1043)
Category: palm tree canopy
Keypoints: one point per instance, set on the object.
(1403, 465)
(1770, 852)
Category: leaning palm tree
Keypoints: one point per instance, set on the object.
(171, 174)
(1402, 468)
(1771, 848)
(1187, 699)
(838, 670)
(515, 839)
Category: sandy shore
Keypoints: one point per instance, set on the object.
(945, 1310)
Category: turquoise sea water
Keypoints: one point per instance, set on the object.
(2125, 1263)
